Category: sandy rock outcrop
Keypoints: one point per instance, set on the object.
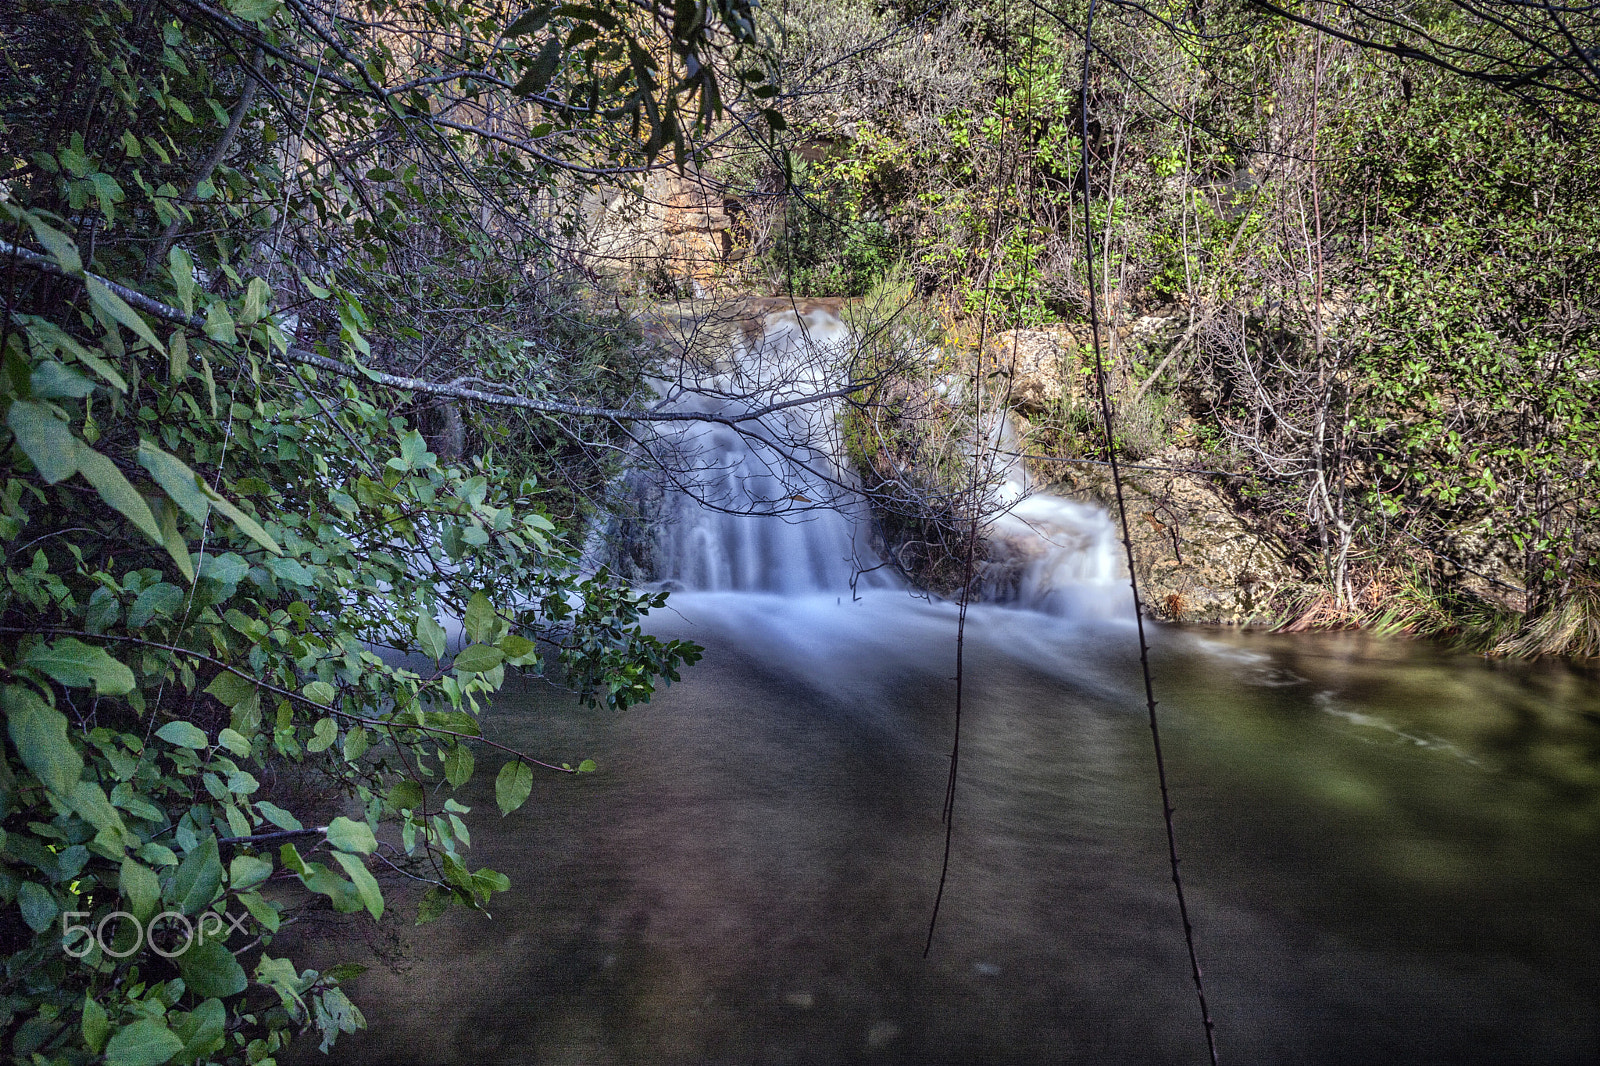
(1043, 365)
(672, 232)
(1046, 366)
(1197, 559)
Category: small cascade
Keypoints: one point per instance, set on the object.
(1057, 556)
(767, 506)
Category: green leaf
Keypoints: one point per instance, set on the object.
(181, 267)
(96, 1027)
(144, 1043)
(141, 887)
(253, 10)
(44, 439)
(277, 815)
(116, 490)
(256, 295)
(406, 795)
(247, 525)
(176, 479)
(479, 658)
(58, 244)
(530, 22)
(247, 871)
(486, 881)
(203, 1032)
(38, 906)
(430, 636)
(184, 735)
(163, 599)
(103, 368)
(481, 623)
(458, 765)
(543, 69)
(113, 305)
(209, 969)
(320, 692)
(355, 743)
(292, 571)
(366, 884)
(219, 323)
(512, 786)
(172, 540)
(236, 743)
(344, 896)
(262, 911)
(78, 665)
(349, 835)
(414, 450)
(40, 735)
(199, 878)
(88, 801)
(326, 732)
(52, 381)
(435, 902)
(225, 569)
(230, 689)
(177, 356)
(519, 650)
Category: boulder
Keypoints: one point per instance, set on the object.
(1042, 365)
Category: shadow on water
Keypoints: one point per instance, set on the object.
(1390, 852)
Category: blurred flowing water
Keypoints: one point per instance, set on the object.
(1390, 852)
(1390, 849)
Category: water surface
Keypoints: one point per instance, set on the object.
(1390, 852)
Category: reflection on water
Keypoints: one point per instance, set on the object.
(1390, 851)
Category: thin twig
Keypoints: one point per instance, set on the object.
(1127, 543)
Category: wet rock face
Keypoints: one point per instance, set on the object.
(1197, 560)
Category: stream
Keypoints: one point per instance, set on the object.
(1390, 849)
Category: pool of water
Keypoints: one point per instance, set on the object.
(1390, 852)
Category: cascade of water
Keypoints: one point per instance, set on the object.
(770, 509)
(1065, 556)
(767, 509)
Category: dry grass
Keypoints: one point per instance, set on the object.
(1402, 603)
(1571, 628)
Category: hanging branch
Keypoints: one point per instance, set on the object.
(43, 264)
(1127, 542)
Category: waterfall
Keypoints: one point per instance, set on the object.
(1065, 555)
(767, 506)
(771, 506)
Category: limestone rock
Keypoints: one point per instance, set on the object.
(674, 228)
(1197, 559)
(1043, 366)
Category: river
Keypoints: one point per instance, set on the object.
(1390, 849)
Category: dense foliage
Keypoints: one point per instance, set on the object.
(250, 610)
(1364, 284)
